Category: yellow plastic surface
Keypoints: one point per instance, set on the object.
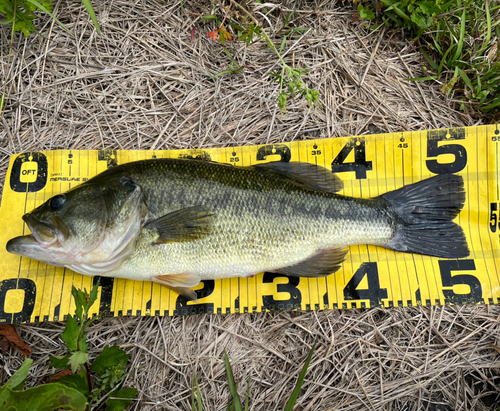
(371, 276)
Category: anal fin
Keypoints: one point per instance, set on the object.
(321, 264)
(180, 284)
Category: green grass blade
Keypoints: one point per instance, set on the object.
(232, 385)
(443, 60)
(491, 106)
(248, 394)
(395, 7)
(423, 78)
(488, 25)
(465, 78)
(198, 394)
(431, 62)
(295, 394)
(283, 44)
(460, 44)
(90, 10)
(288, 19)
(42, 8)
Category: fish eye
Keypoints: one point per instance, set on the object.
(57, 202)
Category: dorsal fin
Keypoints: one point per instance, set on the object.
(309, 175)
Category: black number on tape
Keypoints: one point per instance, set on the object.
(475, 295)
(29, 172)
(106, 284)
(494, 220)
(274, 150)
(291, 303)
(360, 165)
(182, 307)
(29, 288)
(199, 155)
(373, 293)
(434, 150)
(109, 156)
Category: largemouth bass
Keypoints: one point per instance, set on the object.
(178, 222)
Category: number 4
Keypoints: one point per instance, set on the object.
(360, 164)
(374, 293)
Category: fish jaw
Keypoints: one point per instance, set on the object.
(28, 246)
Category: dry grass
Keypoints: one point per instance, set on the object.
(144, 85)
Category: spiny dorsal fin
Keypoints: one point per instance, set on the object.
(321, 264)
(309, 175)
(186, 224)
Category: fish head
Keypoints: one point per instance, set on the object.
(84, 225)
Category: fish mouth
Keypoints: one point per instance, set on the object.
(22, 245)
(44, 236)
(45, 232)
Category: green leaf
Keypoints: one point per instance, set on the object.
(70, 334)
(232, 385)
(83, 346)
(110, 357)
(366, 14)
(295, 394)
(45, 10)
(282, 101)
(47, 397)
(16, 382)
(93, 294)
(59, 361)
(80, 301)
(75, 381)
(209, 17)
(76, 359)
(429, 7)
(419, 19)
(121, 399)
(90, 10)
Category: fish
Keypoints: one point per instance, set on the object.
(178, 222)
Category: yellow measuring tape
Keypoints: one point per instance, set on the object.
(371, 276)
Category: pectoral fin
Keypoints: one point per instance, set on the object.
(186, 224)
(180, 283)
(321, 264)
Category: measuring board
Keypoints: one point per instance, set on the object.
(371, 276)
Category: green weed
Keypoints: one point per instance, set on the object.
(459, 40)
(21, 14)
(235, 403)
(86, 386)
(290, 79)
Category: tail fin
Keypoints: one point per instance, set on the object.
(426, 210)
